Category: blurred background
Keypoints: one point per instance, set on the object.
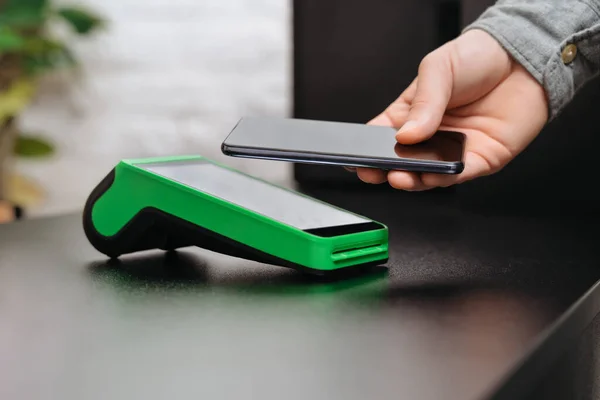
(85, 83)
(153, 77)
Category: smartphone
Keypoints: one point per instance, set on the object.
(343, 144)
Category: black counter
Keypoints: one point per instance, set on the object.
(470, 306)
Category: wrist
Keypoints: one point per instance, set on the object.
(536, 35)
(483, 47)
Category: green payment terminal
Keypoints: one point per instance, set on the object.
(175, 202)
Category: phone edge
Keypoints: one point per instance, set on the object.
(437, 167)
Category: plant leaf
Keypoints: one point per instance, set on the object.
(38, 45)
(10, 40)
(22, 18)
(82, 21)
(49, 48)
(23, 13)
(21, 4)
(33, 146)
(44, 54)
(15, 99)
(36, 64)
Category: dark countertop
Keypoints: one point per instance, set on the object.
(470, 303)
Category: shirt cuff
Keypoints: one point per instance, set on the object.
(536, 34)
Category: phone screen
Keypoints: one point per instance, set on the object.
(263, 198)
(341, 139)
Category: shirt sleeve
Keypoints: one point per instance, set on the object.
(557, 41)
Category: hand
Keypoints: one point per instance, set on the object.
(473, 86)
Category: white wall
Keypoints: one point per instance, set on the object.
(168, 77)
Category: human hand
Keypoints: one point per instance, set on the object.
(470, 85)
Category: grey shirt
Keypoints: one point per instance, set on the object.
(536, 32)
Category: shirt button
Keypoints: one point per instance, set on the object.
(569, 53)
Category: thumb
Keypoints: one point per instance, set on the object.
(434, 88)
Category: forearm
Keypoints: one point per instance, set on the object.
(537, 33)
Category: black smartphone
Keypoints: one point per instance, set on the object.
(344, 144)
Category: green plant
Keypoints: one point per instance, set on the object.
(30, 48)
